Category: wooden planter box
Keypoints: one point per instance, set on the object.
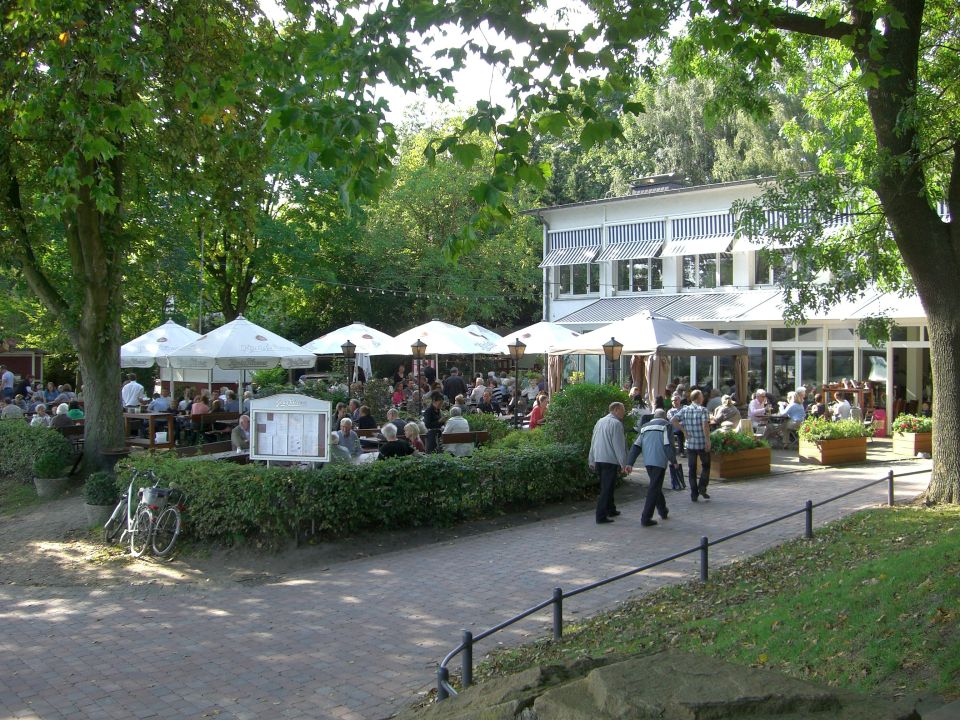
(909, 444)
(740, 464)
(834, 452)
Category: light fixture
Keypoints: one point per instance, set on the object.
(612, 350)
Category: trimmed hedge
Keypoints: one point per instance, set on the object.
(497, 428)
(575, 410)
(232, 503)
(23, 445)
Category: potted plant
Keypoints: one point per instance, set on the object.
(832, 443)
(912, 434)
(100, 494)
(50, 474)
(737, 454)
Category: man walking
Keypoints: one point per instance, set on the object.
(655, 443)
(608, 456)
(694, 420)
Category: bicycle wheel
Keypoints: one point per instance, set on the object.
(116, 523)
(142, 530)
(166, 531)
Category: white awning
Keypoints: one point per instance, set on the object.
(570, 256)
(631, 251)
(698, 246)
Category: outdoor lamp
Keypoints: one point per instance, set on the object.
(349, 351)
(612, 350)
(419, 352)
(516, 349)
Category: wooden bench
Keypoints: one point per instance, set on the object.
(205, 425)
(74, 433)
(367, 432)
(475, 437)
(204, 449)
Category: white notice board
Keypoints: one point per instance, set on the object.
(290, 427)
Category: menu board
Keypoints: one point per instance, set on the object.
(290, 427)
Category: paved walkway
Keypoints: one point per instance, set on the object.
(358, 640)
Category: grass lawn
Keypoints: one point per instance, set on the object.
(872, 603)
(15, 496)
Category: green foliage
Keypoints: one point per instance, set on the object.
(912, 424)
(497, 428)
(575, 410)
(100, 489)
(23, 444)
(516, 439)
(815, 429)
(724, 443)
(273, 376)
(234, 503)
(377, 396)
(50, 464)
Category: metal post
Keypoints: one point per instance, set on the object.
(466, 670)
(704, 559)
(890, 488)
(557, 613)
(443, 677)
(808, 531)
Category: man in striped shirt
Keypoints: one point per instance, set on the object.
(694, 421)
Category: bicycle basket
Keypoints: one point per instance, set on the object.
(154, 496)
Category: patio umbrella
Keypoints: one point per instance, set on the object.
(366, 339)
(152, 347)
(539, 338)
(241, 345)
(487, 334)
(441, 339)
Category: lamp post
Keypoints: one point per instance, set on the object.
(612, 350)
(419, 352)
(516, 349)
(349, 351)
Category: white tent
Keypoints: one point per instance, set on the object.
(644, 334)
(441, 339)
(538, 338)
(152, 347)
(241, 345)
(366, 338)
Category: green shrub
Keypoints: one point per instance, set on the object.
(575, 410)
(724, 443)
(516, 439)
(377, 395)
(815, 429)
(100, 489)
(23, 444)
(912, 424)
(233, 503)
(50, 464)
(497, 428)
(271, 376)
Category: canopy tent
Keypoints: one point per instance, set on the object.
(440, 338)
(241, 345)
(539, 338)
(152, 347)
(657, 338)
(366, 339)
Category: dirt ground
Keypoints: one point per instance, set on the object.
(50, 544)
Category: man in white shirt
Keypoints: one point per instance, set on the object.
(456, 423)
(841, 411)
(131, 394)
(6, 382)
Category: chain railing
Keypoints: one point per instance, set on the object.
(445, 689)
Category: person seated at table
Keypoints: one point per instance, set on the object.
(393, 418)
(758, 410)
(539, 410)
(461, 402)
(35, 399)
(50, 394)
(199, 406)
(338, 454)
(488, 404)
(714, 402)
(160, 403)
(231, 404)
(348, 439)
(925, 410)
(476, 394)
(412, 432)
(10, 409)
(41, 418)
(495, 389)
(240, 435)
(456, 423)
(61, 419)
(74, 412)
(531, 391)
(726, 411)
(365, 420)
(400, 375)
(217, 406)
(794, 409)
(398, 398)
(353, 407)
(841, 409)
(393, 447)
(818, 408)
(433, 421)
(245, 405)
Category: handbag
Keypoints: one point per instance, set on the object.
(676, 478)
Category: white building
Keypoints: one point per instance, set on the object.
(670, 249)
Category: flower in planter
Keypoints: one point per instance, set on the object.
(817, 429)
(912, 424)
(724, 443)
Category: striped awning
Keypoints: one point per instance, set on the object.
(698, 246)
(570, 256)
(631, 251)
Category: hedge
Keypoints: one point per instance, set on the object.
(23, 444)
(575, 410)
(232, 503)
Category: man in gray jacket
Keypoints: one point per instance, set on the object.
(654, 440)
(607, 456)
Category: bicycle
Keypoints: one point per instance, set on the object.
(154, 523)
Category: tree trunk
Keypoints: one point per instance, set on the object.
(103, 421)
(944, 484)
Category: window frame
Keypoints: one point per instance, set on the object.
(632, 277)
(717, 271)
(592, 280)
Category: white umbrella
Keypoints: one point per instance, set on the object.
(367, 340)
(441, 339)
(538, 338)
(489, 335)
(154, 346)
(241, 345)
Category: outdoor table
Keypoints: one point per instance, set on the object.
(152, 421)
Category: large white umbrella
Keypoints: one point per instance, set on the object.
(366, 338)
(489, 335)
(441, 339)
(538, 338)
(153, 347)
(241, 345)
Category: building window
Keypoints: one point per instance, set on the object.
(639, 275)
(708, 271)
(578, 279)
(771, 267)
